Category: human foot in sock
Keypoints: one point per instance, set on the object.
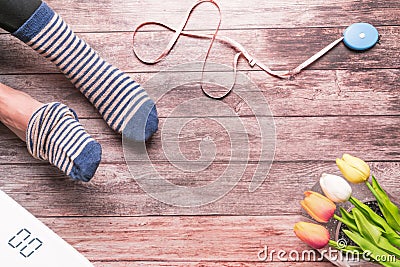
(52, 132)
(122, 102)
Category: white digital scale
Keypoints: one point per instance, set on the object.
(27, 242)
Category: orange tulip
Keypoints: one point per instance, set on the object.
(318, 206)
(316, 236)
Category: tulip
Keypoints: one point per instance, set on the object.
(316, 236)
(318, 206)
(335, 187)
(355, 170)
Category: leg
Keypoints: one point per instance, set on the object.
(52, 133)
(14, 115)
(124, 105)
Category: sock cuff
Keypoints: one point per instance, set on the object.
(39, 19)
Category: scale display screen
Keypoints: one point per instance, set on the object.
(27, 242)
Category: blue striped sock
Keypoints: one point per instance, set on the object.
(122, 102)
(54, 134)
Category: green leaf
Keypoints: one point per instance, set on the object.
(346, 215)
(373, 233)
(365, 228)
(370, 214)
(376, 252)
(378, 221)
(389, 210)
(393, 238)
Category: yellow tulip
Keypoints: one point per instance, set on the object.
(318, 206)
(316, 236)
(355, 170)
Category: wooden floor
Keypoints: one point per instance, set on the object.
(345, 102)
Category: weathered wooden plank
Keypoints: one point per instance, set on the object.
(313, 93)
(114, 192)
(125, 15)
(277, 48)
(297, 139)
(345, 102)
(208, 238)
(208, 264)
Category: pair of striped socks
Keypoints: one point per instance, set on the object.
(54, 133)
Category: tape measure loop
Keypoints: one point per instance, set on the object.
(358, 36)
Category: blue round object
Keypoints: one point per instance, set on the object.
(360, 36)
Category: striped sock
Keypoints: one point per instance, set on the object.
(54, 134)
(122, 102)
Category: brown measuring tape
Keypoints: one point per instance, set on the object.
(241, 51)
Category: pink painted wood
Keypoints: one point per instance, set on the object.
(345, 102)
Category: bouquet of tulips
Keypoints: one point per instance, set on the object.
(372, 233)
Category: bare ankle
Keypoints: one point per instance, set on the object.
(16, 109)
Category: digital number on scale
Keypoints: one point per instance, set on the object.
(26, 244)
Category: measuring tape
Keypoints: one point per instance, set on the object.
(358, 36)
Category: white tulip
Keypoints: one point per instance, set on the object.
(335, 187)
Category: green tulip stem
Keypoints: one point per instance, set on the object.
(372, 189)
(337, 217)
(348, 249)
(353, 201)
(348, 223)
(340, 219)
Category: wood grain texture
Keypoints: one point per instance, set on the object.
(207, 264)
(345, 102)
(117, 15)
(269, 45)
(297, 139)
(44, 191)
(184, 238)
(313, 93)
